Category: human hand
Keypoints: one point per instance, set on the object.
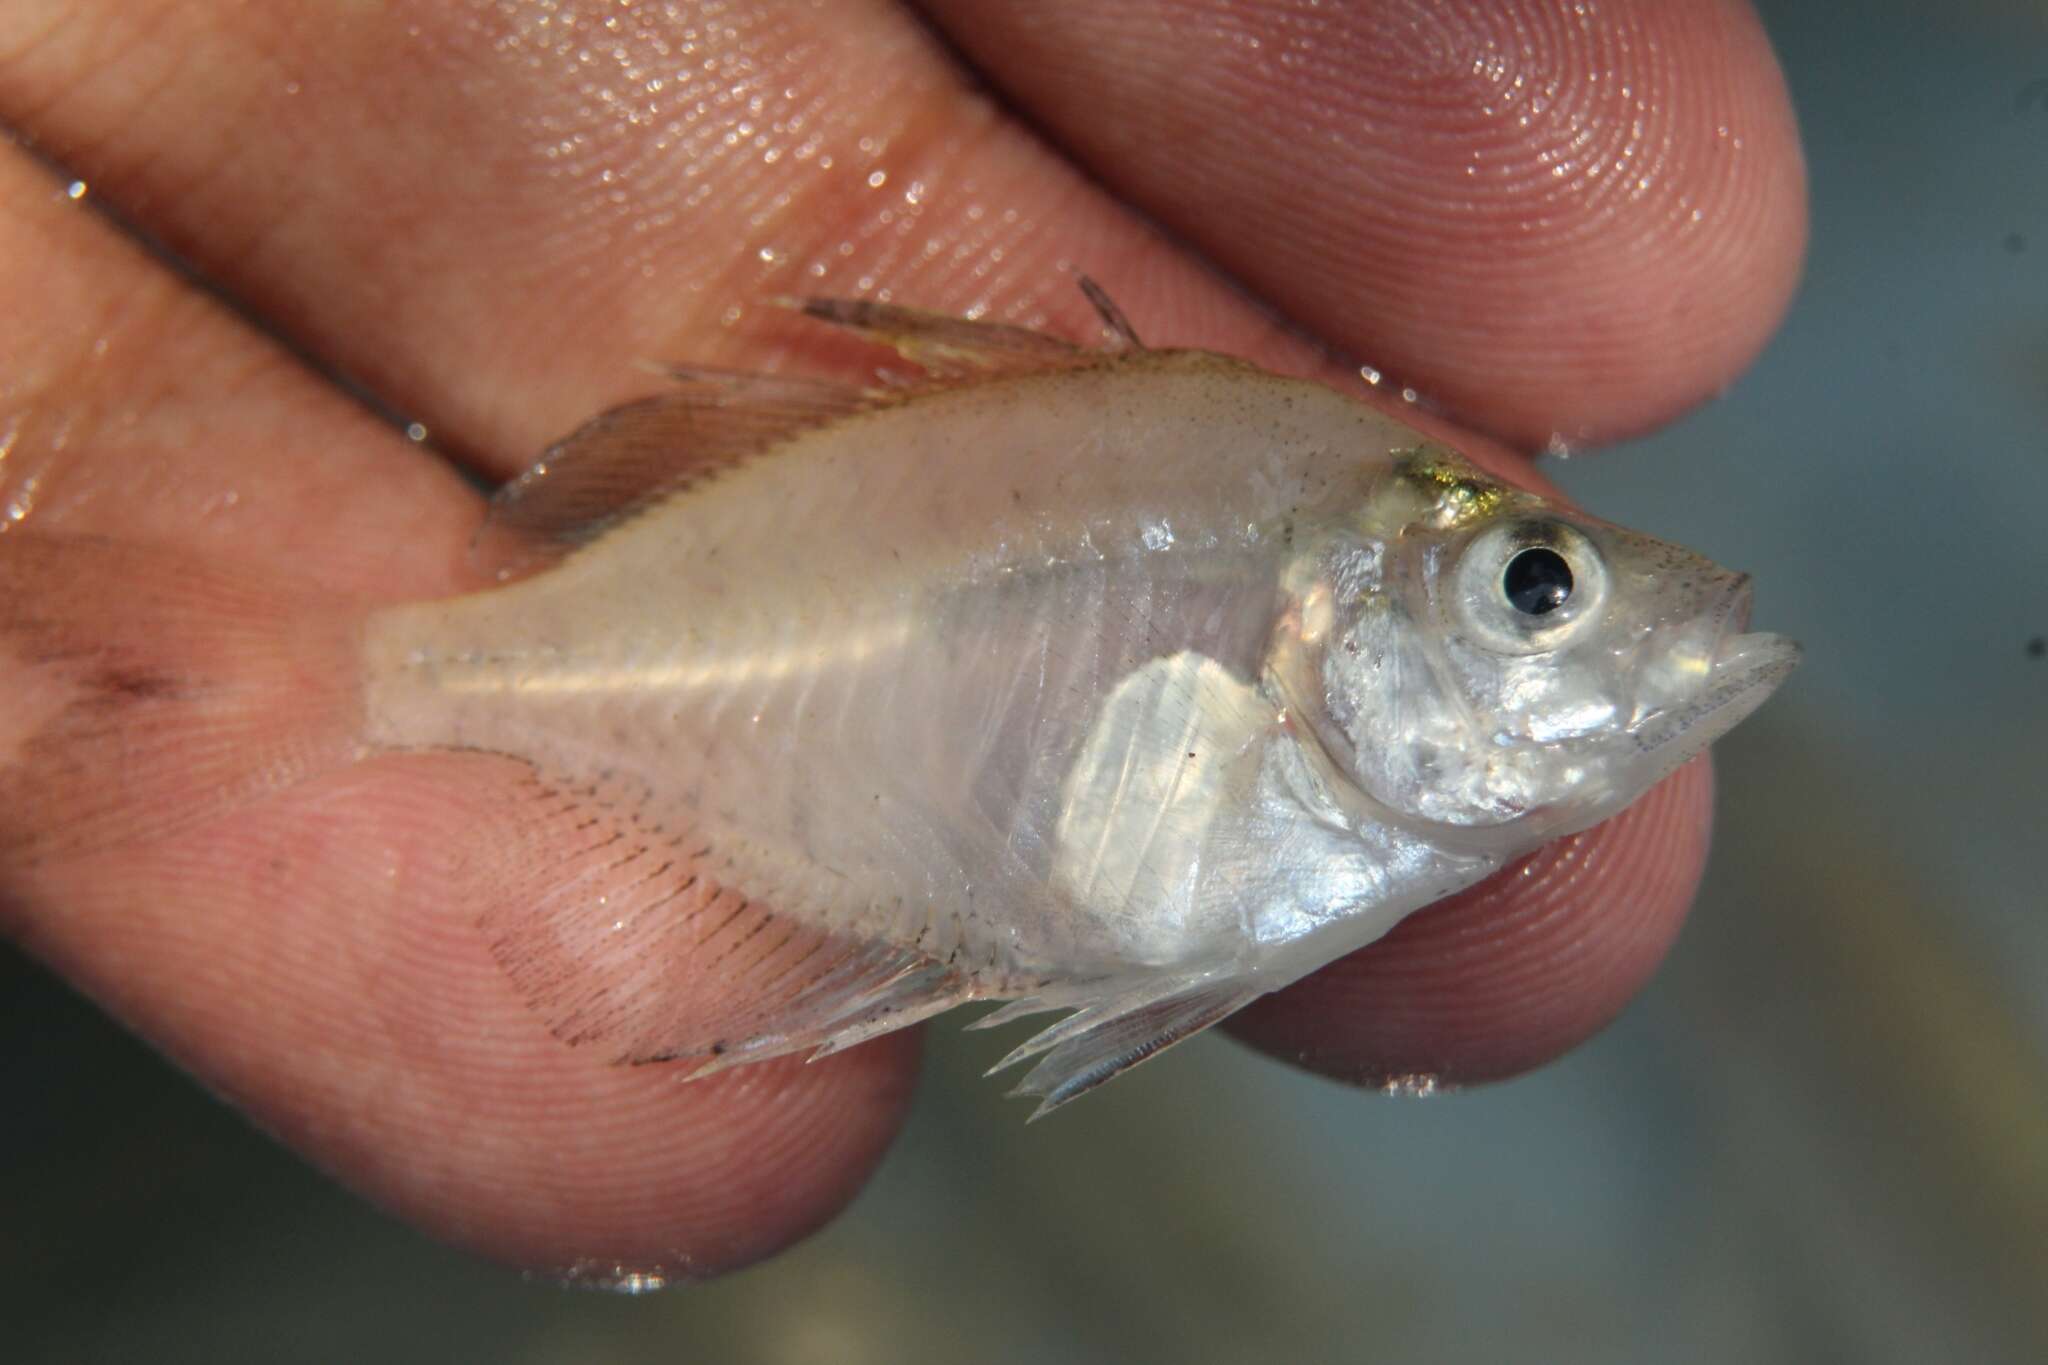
(484, 215)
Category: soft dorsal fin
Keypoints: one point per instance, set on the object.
(630, 456)
(624, 459)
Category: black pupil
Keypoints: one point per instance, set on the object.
(1538, 581)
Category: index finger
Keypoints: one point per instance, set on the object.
(1558, 223)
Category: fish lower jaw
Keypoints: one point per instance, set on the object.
(1746, 669)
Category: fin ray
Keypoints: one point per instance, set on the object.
(1113, 319)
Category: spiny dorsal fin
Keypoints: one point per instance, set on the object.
(947, 347)
(1113, 319)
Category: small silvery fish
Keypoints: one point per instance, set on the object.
(1129, 683)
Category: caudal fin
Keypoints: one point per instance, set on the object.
(142, 691)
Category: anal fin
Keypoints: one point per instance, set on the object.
(638, 945)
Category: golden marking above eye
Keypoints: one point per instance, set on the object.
(1453, 486)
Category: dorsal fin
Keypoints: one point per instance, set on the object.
(630, 456)
(945, 347)
(1113, 319)
(624, 459)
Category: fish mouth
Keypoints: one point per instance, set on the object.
(1749, 667)
(1744, 669)
(1747, 664)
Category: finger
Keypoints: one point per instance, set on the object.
(504, 313)
(1557, 221)
(135, 404)
(489, 215)
(316, 960)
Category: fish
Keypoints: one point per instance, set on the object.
(1121, 683)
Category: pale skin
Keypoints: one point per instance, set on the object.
(486, 221)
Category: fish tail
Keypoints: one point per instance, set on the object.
(142, 691)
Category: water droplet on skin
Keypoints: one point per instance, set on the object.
(17, 508)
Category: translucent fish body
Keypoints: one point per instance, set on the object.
(1136, 684)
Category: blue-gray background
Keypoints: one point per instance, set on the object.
(1821, 1134)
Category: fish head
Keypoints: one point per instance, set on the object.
(1494, 663)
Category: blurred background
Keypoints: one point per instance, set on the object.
(1821, 1134)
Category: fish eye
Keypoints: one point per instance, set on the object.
(1527, 586)
(1537, 581)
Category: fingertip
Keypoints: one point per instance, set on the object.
(1604, 232)
(1553, 220)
